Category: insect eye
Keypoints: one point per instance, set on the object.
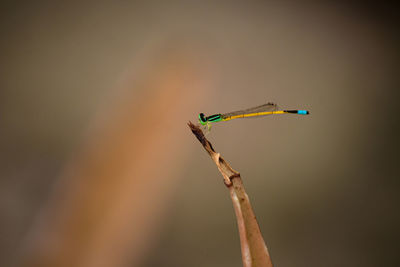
(202, 118)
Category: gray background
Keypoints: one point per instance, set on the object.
(324, 187)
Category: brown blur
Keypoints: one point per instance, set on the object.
(98, 167)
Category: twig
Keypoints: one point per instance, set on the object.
(254, 250)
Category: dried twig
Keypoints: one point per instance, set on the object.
(254, 250)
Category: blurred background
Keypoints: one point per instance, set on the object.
(98, 167)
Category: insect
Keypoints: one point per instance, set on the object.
(254, 112)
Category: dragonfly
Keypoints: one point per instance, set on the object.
(254, 112)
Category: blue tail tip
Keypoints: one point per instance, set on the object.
(303, 112)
